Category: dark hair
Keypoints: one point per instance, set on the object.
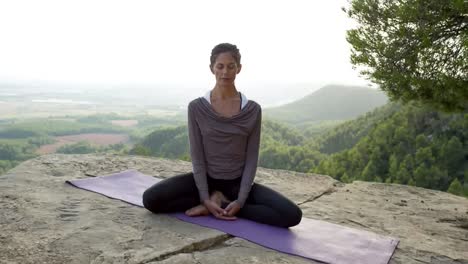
(225, 47)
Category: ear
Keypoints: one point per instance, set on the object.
(211, 69)
(239, 67)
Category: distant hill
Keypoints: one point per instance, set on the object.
(332, 102)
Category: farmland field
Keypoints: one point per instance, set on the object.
(100, 139)
(125, 123)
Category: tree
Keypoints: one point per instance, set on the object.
(403, 175)
(82, 147)
(345, 178)
(393, 166)
(422, 176)
(421, 141)
(465, 184)
(453, 155)
(424, 157)
(5, 165)
(437, 178)
(140, 150)
(10, 151)
(413, 49)
(455, 187)
(370, 171)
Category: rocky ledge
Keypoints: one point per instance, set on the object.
(45, 220)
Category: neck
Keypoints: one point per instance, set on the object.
(224, 91)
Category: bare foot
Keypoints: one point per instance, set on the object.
(197, 211)
(218, 198)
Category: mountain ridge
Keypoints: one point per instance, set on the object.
(331, 102)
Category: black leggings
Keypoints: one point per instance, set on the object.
(264, 205)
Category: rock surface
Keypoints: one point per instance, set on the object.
(45, 220)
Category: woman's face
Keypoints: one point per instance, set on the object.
(225, 69)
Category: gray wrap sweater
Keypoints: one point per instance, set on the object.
(224, 147)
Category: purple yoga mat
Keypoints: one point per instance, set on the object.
(313, 239)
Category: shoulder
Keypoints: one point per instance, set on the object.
(253, 111)
(195, 103)
(254, 106)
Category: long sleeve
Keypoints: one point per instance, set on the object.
(197, 154)
(251, 161)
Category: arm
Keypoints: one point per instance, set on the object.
(251, 160)
(197, 154)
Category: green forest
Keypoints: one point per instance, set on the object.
(413, 146)
(394, 144)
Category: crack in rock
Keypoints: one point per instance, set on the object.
(421, 261)
(357, 223)
(311, 199)
(198, 246)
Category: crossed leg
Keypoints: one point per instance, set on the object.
(200, 209)
(179, 193)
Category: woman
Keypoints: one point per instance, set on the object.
(224, 135)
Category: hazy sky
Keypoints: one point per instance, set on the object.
(170, 41)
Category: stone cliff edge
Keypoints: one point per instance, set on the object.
(45, 220)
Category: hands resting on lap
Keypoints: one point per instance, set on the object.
(213, 206)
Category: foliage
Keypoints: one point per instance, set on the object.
(413, 49)
(281, 133)
(455, 187)
(20, 138)
(11, 154)
(165, 142)
(317, 128)
(281, 146)
(42, 127)
(414, 146)
(13, 132)
(84, 147)
(99, 118)
(5, 165)
(280, 156)
(138, 149)
(39, 141)
(145, 121)
(394, 144)
(347, 134)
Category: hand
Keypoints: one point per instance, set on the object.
(233, 208)
(217, 211)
